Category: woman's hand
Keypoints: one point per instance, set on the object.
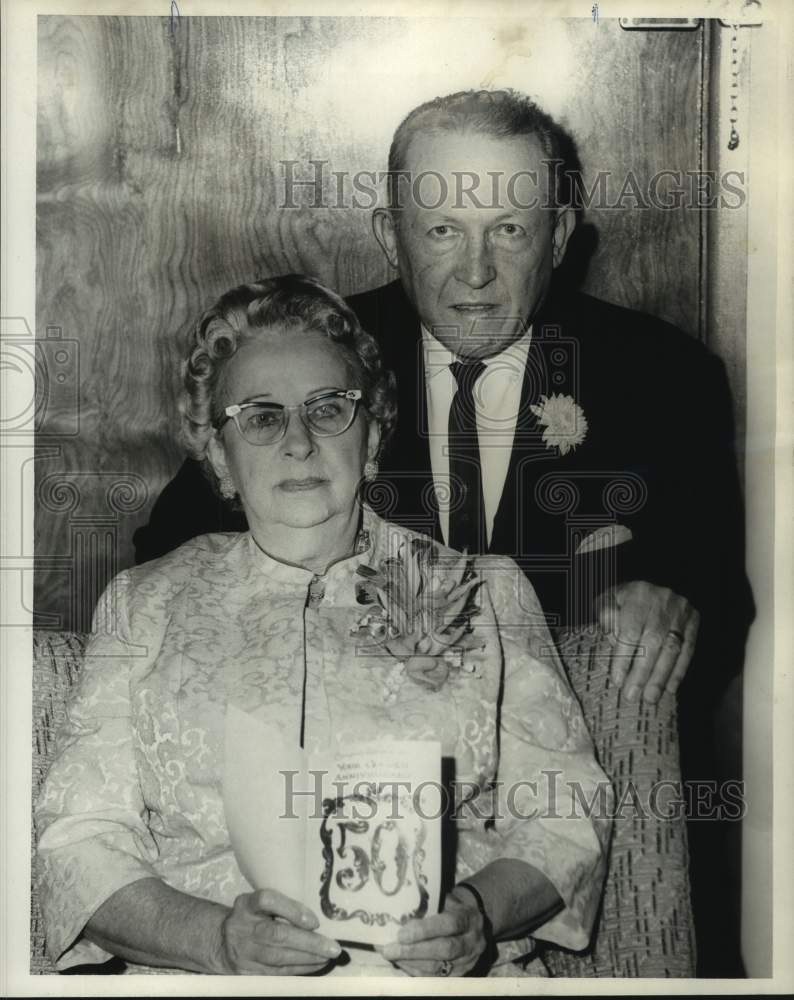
(269, 934)
(448, 944)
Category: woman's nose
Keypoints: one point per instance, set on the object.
(297, 441)
(476, 266)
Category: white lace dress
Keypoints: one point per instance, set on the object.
(136, 788)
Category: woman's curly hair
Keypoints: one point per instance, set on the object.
(296, 304)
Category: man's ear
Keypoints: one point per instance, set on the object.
(385, 233)
(563, 229)
(216, 454)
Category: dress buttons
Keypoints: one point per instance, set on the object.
(316, 592)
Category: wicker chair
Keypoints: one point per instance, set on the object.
(645, 927)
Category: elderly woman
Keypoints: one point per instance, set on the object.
(286, 398)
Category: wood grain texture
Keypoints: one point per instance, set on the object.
(642, 118)
(159, 187)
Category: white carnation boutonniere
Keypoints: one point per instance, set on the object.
(564, 421)
(419, 611)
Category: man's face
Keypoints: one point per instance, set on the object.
(476, 266)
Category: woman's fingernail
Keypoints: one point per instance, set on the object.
(652, 693)
(332, 949)
(390, 951)
(631, 692)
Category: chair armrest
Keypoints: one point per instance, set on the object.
(57, 658)
(645, 927)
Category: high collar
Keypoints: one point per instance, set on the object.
(338, 580)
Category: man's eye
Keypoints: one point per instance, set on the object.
(442, 231)
(510, 229)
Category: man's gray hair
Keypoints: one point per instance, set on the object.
(500, 113)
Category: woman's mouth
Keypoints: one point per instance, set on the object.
(301, 485)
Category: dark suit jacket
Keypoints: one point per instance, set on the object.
(658, 458)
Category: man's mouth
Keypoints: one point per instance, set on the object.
(475, 307)
(301, 485)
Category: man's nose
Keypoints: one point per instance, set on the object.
(476, 266)
(297, 441)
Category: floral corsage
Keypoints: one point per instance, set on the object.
(419, 611)
(564, 420)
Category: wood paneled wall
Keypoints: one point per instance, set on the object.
(159, 187)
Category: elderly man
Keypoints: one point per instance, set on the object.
(591, 443)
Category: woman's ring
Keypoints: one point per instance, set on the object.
(676, 635)
(446, 968)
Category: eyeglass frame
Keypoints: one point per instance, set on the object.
(233, 411)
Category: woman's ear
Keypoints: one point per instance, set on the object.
(373, 441)
(216, 453)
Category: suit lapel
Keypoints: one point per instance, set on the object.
(520, 524)
(407, 463)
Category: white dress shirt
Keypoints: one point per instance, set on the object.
(497, 400)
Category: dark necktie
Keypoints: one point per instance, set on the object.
(467, 514)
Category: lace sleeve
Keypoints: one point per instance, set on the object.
(90, 817)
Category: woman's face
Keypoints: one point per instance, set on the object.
(300, 481)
